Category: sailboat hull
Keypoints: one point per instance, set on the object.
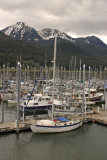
(56, 128)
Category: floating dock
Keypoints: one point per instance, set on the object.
(11, 127)
(98, 116)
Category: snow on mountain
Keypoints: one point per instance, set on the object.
(48, 33)
(22, 32)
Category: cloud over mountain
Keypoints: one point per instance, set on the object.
(77, 17)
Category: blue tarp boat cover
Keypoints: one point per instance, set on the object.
(62, 119)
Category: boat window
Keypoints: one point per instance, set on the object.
(24, 103)
(64, 124)
(35, 103)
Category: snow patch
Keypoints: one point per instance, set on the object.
(86, 41)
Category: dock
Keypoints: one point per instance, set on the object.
(10, 126)
(98, 116)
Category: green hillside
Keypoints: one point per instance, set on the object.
(34, 55)
(11, 48)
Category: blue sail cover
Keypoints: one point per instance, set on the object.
(62, 119)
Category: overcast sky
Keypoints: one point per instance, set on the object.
(75, 17)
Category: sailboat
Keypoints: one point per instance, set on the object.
(60, 124)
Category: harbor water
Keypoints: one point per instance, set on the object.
(88, 142)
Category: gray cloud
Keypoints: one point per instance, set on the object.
(79, 17)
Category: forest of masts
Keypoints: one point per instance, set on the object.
(73, 73)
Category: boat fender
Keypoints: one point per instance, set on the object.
(49, 102)
(93, 120)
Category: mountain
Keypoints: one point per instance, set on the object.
(91, 40)
(11, 48)
(32, 45)
(46, 36)
(34, 55)
(48, 33)
(22, 32)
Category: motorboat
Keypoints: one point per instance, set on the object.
(40, 103)
(91, 95)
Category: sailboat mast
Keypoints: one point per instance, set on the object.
(54, 68)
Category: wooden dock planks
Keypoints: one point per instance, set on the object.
(10, 126)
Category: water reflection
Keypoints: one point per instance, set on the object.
(85, 143)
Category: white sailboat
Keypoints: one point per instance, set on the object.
(58, 125)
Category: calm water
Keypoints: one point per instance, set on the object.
(89, 142)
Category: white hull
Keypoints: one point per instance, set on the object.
(60, 113)
(56, 128)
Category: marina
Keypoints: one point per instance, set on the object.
(77, 108)
(76, 100)
(98, 116)
(53, 80)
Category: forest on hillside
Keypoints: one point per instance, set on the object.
(37, 55)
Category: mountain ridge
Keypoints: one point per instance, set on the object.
(34, 55)
(32, 46)
(45, 36)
